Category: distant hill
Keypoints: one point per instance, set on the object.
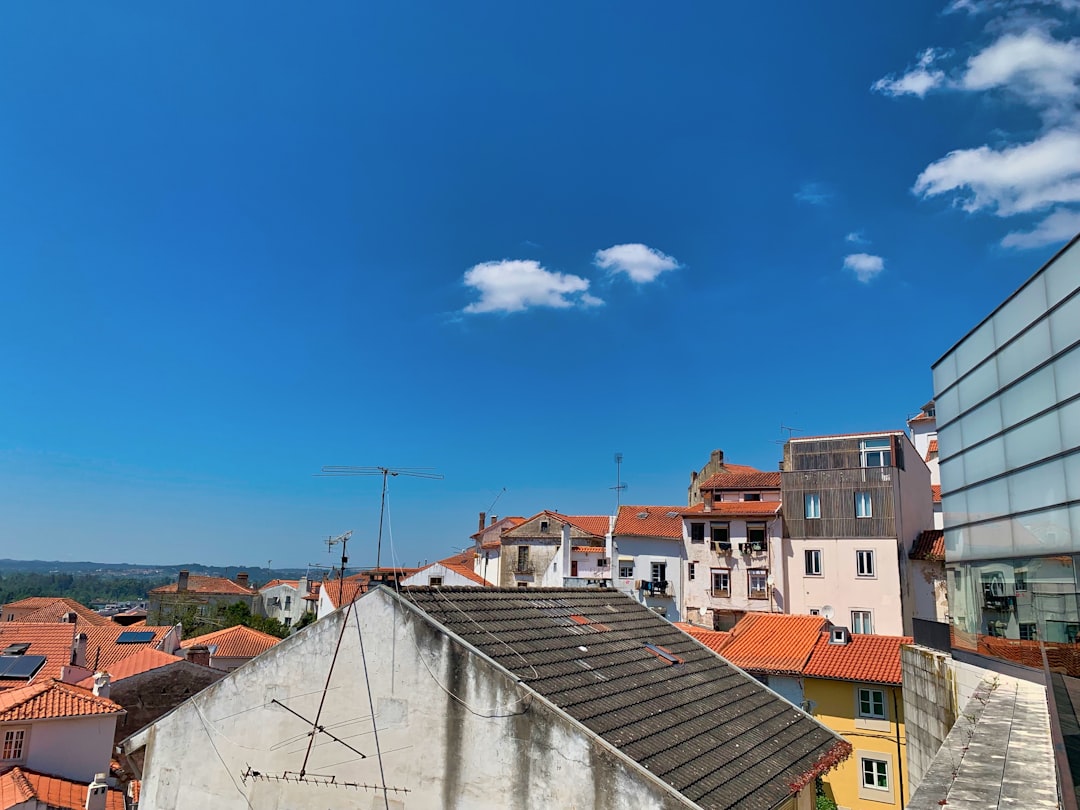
(257, 574)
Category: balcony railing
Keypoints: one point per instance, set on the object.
(655, 588)
(524, 567)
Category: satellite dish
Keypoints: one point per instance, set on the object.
(828, 612)
(769, 580)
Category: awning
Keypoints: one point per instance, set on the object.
(625, 558)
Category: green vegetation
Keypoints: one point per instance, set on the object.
(228, 616)
(822, 799)
(88, 589)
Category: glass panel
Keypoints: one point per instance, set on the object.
(980, 423)
(1062, 276)
(1032, 441)
(1067, 374)
(979, 384)
(944, 376)
(987, 500)
(947, 405)
(1065, 324)
(976, 347)
(1021, 310)
(1037, 487)
(952, 473)
(989, 540)
(1026, 352)
(1028, 397)
(1045, 532)
(984, 461)
(1069, 418)
(1072, 476)
(954, 508)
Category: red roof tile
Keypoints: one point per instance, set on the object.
(201, 584)
(294, 583)
(588, 549)
(930, 545)
(935, 493)
(19, 786)
(650, 521)
(54, 608)
(51, 699)
(342, 592)
(593, 524)
(871, 659)
(715, 640)
(737, 509)
(461, 564)
(931, 449)
(54, 641)
(136, 664)
(103, 650)
(234, 642)
(739, 477)
(505, 523)
(773, 642)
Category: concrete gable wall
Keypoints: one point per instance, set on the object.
(455, 730)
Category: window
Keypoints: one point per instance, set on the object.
(523, 560)
(862, 622)
(812, 504)
(626, 569)
(435, 582)
(721, 582)
(872, 703)
(864, 563)
(863, 508)
(545, 525)
(876, 452)
(720, 532)
(751, 496)
(14, 742)
(1028, 631)
(659, 572)
(603, 562)
(875, 773)
(815, 611)
(697, 532)
(1020, 580)
(690, 571)
(812, 558)
(288, 621)
(288, 602)
(758, 579)
(755, 535)
(523, 584)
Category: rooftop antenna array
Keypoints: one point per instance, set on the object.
(619, 487)
(330, 543)
(346, 471)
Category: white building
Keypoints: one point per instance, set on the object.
(453, 572)
(649, 554)
(283, 599)
(487, 543)
(532, 552)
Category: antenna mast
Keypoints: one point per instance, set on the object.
(330, 543)
(338, 470)
(619, 485)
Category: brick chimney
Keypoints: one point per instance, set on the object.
(78, 650)
(181, 581)
(71, 617)
(198, 654)
(494, 519)
(242, 579)
(97, 793)
(483, 520)
(101, 684)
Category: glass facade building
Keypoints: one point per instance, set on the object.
(1008, 410)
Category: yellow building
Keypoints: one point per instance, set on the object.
(851, 683)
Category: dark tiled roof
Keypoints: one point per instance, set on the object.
(929, 545)
(710, 731)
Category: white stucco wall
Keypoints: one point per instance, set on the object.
(450, 578)
(646, 551)
(453, 729)
(927, 590)
(72, 748)
(278, 611)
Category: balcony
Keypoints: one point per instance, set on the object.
(721, 547)
(586, 582)
(524, 567)
(655, 588)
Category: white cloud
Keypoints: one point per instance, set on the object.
(865, 266)
(1011, 180)
(917, 81)
(974, 7)
(857, 238)
(814, 194)
(1033, 64)
(513, 285)
(1061, 226)
(640, 262)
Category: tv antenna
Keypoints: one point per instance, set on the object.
(790, 430)
(619, 487)
(330, 543)
(347, 471)
(496, 500)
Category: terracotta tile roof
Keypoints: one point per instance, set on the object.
(738, 509)
(343, 592)
(930, 545)
(935, 493)
(505, 523)
(588, 549)
(931, 449)
(295, 583)
(48, 700)
(20, 786)
(715, 640)
(54, 641)
(103, 651)
(55, 607)
(201, 584)
(872, 659)
(650, 521)
(234, 642)
(593, 524)
(461, 564)
(32, 602)
(491, 544)
(136, 664)
(847, 435)
(736, 476)
(776, 643)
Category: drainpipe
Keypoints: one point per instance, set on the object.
(899, 751)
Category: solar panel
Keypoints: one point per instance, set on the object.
(22, 667)
(135, 637)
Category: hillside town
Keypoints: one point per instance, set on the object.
(837, 632)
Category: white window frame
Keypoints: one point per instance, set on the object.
(1029, 631)
(870, 696)
(690, 571)
(862, 622)
(762, 575)
(878, 451)
(812, 506)
(725, 573)
(812, 562)
(13, 744)
(659, 572)
(626, 570)
(879, 770)
(864, 506)
(865, 563)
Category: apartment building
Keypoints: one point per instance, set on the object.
(853, 505)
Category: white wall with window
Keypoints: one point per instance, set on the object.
(877, 776)
(72, 748)
(658, 565)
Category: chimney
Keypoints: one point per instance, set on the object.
(101, 684)
(198, 654)
(483, 520)
(494, 519)
(717, 458)
(71, 617)
(78, 650)
(181, 581)
(97, 793)
(242, 579)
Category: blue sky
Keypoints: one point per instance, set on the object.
(498, 240)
